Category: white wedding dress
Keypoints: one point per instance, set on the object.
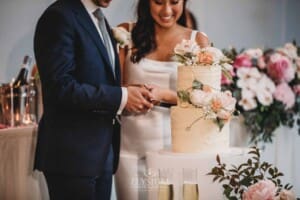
(144, 132)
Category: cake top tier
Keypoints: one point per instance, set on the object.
(188, 52)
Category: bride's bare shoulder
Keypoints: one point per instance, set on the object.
(202, 39)
(127, 25)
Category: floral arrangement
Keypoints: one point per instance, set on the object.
(252, 180)
(267, 87)
(122, 36)
(216, 105)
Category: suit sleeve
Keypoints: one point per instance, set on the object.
(55, 46)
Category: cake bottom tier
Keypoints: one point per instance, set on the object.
(203, 135)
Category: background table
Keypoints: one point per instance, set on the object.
(18, 181)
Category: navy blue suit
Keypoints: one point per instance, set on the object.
(81, 95)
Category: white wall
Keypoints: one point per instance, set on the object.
(240, 23)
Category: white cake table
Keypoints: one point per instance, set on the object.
(203, 162)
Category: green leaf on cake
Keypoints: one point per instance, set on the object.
(183, 95)
(197, 85)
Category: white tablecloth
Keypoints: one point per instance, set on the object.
(17, 179)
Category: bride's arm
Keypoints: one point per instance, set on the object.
(162, 94)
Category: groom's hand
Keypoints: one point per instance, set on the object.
(138, 99)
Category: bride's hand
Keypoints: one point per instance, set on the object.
(161, 94)
(157, 93)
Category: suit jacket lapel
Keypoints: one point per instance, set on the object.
(117, 63)
(87, 23)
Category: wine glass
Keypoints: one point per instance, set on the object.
(190, 184)
(165, 186)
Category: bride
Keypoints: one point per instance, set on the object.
(147, 61)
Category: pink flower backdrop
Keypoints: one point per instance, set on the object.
(266, 83)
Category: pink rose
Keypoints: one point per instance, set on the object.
(262, 190)
(242, 60)
(280, 68)
(284, 94)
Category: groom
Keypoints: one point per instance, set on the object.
(78, 135)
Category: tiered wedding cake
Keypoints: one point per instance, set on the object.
(199, 124)
(200, 121)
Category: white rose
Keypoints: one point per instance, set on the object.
(200, 98)
(216, 53)
(122, 36)
(248, 103)
(254, 53)
(286, 195)
(186, 46)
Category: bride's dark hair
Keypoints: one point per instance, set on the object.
(143, 35)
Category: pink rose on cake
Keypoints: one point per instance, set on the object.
(215, 104)
(205, 58)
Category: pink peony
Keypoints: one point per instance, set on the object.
(280, 68)
(285, 94)
(262, 190)
(242, 60)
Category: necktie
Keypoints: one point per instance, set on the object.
(105, 36)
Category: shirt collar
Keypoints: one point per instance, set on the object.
(89, 6)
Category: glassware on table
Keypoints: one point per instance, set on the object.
(165, 187)
(190, 184)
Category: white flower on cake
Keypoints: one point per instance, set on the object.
(122, 36)
(189, 53)
(216, 105)
(186, 52)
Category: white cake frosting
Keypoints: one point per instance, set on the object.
(208, 75)
(190, 132)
